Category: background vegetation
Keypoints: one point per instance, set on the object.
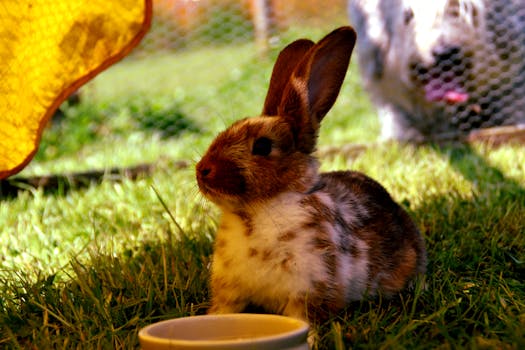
(87, 268)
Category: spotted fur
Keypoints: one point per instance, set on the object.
(292, 240)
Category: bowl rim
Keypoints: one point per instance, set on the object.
(301, 331)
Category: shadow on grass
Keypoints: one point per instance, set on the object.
(108, 298)
(488, 226)
(475, 168)
(475, 280)
(476, 269)
(61, 184)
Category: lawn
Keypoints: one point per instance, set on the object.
(86, 268)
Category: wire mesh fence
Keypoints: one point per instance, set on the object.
(181, 24)
(181, 27)
(460, 64)
(443, 68)
(488, 65)
(205, 63)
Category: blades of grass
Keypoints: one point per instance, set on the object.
(54, 314)
(11, 338)
(165, 206)
(337, 335)
(412, 325)
(91, 288)
(420, 285)
(164, 272)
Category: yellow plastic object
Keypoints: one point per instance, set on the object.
(48, 49)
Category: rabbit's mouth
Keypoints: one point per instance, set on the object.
(437, 90)
(444, 80)
(208, 191)
(220, 198)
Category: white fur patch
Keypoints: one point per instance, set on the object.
(260, 276)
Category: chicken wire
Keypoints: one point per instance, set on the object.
(180, 24)
(184, 27)
(490, 73)
(444, 68)
(194, 33)
(493, 77)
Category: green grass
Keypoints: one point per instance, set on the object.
(87, 268)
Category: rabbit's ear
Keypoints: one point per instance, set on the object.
(314, 85)
(286, 62)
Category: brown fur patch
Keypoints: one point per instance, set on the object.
(224, 226)
(266, 255)
(287, 260)
(219, 283)
(312, 225)
(252, 252)
(354, 251)
(287, 236)
(396, 250)
(318, 210)
(225, 294)
(220, 245)
(330, 262)
(319, 287)
(322, 242)
(231, 300)
(297, 306)
(403, 272)
(227, 263)
(326, 297)
(247, 221)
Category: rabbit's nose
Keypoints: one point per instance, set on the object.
(204, 170)
(446, 52)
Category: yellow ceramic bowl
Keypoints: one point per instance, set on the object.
(231, 331)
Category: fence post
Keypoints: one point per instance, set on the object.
(262, 12)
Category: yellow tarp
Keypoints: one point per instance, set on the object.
(48, 49)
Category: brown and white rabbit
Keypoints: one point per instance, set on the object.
(292, 240)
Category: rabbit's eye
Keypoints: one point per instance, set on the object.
(262, 146)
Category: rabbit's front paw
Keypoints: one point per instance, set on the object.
(226, 306)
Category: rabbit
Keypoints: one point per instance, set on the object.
(291, 240)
